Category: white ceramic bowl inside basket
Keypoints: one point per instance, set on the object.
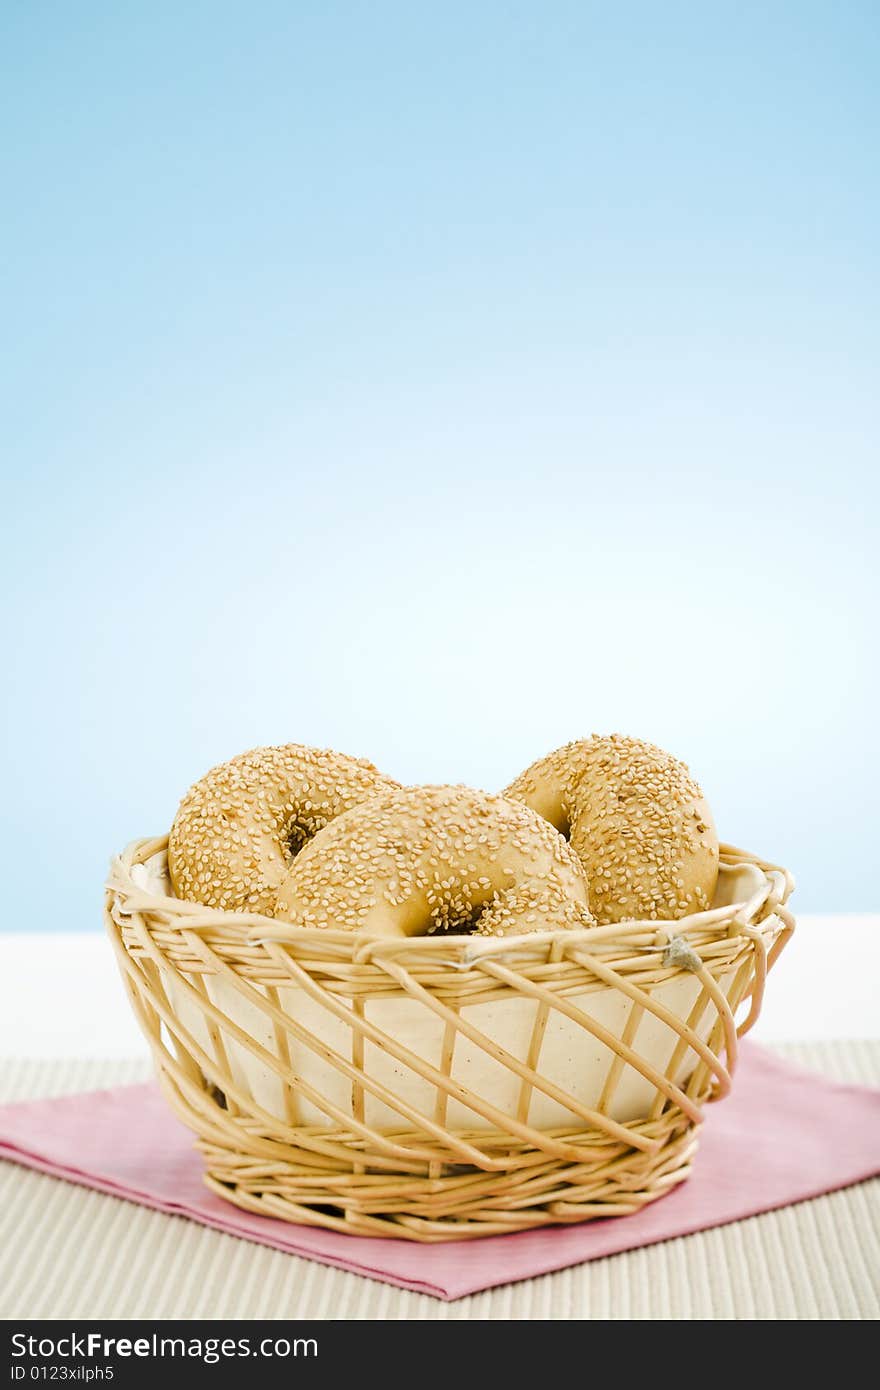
(570, 1058)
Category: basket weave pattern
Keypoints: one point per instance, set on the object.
(418, 1174)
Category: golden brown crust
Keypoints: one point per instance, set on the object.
(239, 828)
(549, 784)
(637, 820)
(424, 859)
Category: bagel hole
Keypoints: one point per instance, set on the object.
(297, 838)
(462, 925)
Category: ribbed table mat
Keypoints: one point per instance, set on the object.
(66, 1252)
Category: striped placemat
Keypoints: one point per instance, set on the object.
(66, 1252)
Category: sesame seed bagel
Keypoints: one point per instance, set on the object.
(637, 821)
(418, 860)
(238, 830)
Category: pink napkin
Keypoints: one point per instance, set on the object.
(782, 1136)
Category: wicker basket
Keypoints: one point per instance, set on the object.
(435, 1088)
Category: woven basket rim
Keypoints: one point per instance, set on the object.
(125, 896)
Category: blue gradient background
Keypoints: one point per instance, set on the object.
(439, 384)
